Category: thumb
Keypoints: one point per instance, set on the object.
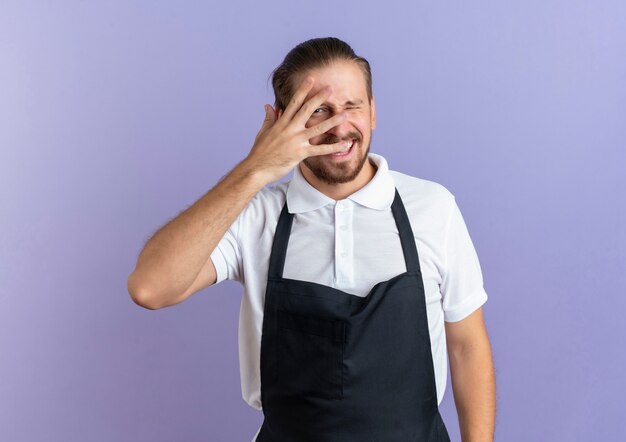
(270, 115)
(270, 118)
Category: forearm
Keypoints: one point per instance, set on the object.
(172, 258)
(473, 383)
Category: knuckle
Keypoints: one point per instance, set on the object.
(307, 107)
(316, 130)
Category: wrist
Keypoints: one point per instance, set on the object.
(257, 177)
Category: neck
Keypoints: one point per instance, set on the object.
(340, 191)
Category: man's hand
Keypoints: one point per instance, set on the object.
(283, 142)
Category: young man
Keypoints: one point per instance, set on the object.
(344, 327)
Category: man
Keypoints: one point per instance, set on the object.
(342, 322)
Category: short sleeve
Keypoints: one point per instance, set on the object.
(227, 255)
(462, 281)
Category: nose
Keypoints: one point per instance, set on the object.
(342, 130)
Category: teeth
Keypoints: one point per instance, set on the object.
(345, 150)
(348, 148)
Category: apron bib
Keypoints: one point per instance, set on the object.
(337, 367)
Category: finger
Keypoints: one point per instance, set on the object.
(268, 121)
(325, 125)
(303, 115)
(325, 149)
(297, 99)
(270, 115)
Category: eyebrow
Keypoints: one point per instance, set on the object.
(349, 103)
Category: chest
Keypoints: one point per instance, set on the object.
(353, 248)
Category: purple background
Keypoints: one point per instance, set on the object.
(115, 117)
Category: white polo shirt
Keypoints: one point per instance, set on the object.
(351, 245)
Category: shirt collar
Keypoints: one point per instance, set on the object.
(377, 194)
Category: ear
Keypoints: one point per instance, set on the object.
(373, 113)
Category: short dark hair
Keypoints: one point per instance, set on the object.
(311, 54)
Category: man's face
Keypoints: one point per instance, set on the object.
(349, 93)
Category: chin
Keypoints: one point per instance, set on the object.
(331, 171)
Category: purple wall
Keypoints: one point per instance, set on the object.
(116, 117)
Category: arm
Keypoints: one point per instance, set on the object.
(175, 262)
(473, 380)
(176, 258)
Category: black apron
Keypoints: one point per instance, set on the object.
(336, 367)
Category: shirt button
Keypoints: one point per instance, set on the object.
(344, 255)
(344, 227)
(340, 207)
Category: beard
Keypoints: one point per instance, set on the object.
(340, 171)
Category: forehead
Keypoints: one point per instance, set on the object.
(346, 78)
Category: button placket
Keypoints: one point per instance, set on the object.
(344, 272)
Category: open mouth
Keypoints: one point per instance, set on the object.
(344, 153)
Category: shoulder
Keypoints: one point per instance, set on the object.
(428, 204)
(263, 208)
(421, 192)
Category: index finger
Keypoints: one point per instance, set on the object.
(298, 98)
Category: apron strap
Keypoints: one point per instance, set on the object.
(283, 230)
(279, 246)
(406, 235)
